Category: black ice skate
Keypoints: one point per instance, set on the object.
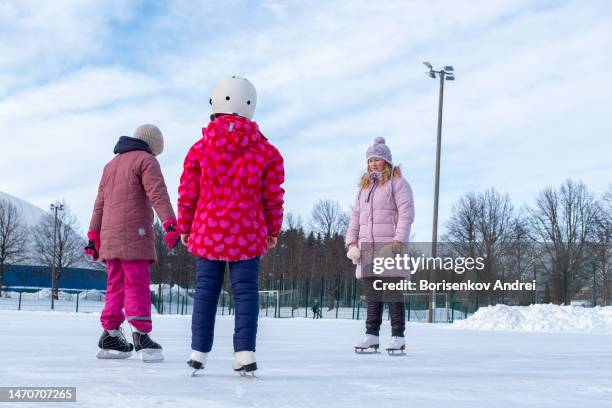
(113, 345)
(150, 351)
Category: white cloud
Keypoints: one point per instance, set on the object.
(42, 39)
(528, 108)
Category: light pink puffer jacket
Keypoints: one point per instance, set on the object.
(382, 213)
(132, 183)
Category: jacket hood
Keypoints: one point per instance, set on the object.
(129, 144)
(231, 133)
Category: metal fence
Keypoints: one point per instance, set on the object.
(301, 301)
(33, 298)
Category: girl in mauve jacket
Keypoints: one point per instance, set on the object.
(382, 217)
(230, 212)
(121, 235)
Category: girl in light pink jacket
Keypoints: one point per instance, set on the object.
(382, 217)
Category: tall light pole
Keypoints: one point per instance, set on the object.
(447, 73)
(55, 207)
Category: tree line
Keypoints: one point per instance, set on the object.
(22, 243)
(563, 241)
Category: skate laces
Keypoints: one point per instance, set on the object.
(121, 337)
(144, 340)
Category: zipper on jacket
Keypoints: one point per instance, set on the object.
(371, 201)
(374, 184)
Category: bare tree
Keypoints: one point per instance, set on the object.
(68, 244)
(563, 222)
(328, 218)
(520, 256)
(495, 218)
(292, 222)
(603, 244)
(480, 226)
(13, 236)
(462, 228)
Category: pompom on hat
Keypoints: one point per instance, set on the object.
(380, 150)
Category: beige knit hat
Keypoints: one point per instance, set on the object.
(152, 135)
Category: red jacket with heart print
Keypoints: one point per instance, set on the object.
(230, 196)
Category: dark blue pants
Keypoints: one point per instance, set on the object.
(209, 281)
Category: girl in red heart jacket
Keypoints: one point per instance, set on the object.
(230, 211)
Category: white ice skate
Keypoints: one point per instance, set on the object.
(369, 344)
(397, 344)
(245, 363)
(197, 361)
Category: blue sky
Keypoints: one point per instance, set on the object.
(529, 108)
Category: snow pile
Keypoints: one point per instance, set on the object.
(540, 318)
(45, 294)
(166, 289)
(92, 295)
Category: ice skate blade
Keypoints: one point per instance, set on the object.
(194, 373)
(197, 366)
(249, 375)
(151, 355)
(247, 371)
(367, 350)
(397, 352)
(106, 354)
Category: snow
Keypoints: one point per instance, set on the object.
(540, 318)
(309, 363)
(89, 301)
(31, 214)
(166, 289)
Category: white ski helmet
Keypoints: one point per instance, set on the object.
(234, 95)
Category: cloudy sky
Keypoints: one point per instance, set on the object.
(530, 107)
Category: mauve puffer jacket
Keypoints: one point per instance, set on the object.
(386, 217)
(130, 184)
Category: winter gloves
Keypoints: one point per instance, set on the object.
(172, 236)
(93, 247)
(353, 253)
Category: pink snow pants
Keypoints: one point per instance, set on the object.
(127, 288)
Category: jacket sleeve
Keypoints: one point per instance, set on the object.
(405, 209)
(96, 218)
(188, 191)
(273, 193)
(155, 188)
(352, 233)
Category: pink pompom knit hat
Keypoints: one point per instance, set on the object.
(380, 150)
